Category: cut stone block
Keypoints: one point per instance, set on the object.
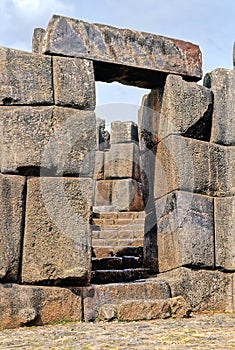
(97, 295)
(11, 213)
(99, 165)
(140, 58)
(127, 195)
(203, 290)
(25, 78)
(122, 132)
(122, 161)
(222, 83)
(38, 35)
(225, 233)
(57, 242)
(74, 83)
(103, 193)
(185, 230)
(59, 140)
(186, 109)
(31, 305)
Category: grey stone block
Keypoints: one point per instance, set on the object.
(186, 109)
(37, 38)
(122, 161)
(122, 132)
(74, 83)
(155, 55)
(99, 165)
(225, 233)
(11, 213)
(222, 83)
(127, 195)
(57, 242)
(25, 78)
(103, 193)
(185, 230)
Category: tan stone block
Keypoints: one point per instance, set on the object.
(99, 165)
(57, 241)
(74, 82)
(12, 189)
(37, 38)
(25, 78)
(103, 192)
(31, 305)
(127, 195)
(122, 132)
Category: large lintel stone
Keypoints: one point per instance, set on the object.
(25, 78)
(222, 83)
(185, 230)
(130, 57)
(11, 215)
(57, 242)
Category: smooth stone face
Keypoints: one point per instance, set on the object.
(38, 34)
(99, 165)
(11, 215)
(222, 83)
(122, 161)
(203, 290)
(25, 78)
(127, 195)
(225, 233)
(57, 241)
(34, 305)
(127, 56)
(186, 109)
(185, 230)
(123, 132)
(74, 83)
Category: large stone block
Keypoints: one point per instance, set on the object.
(103, 193)
(225, 233)
(140, 59)
(99, 165)
(57, 241)
(185, 230)
(59, 140)
(74, 82)
(31, 305)
(204, 290)
(222, 83)
(122, 132)
(38, 34)
(11, 212)
(25, 78)
(122, 161)
(186, 109)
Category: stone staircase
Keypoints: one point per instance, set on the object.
(117, 242)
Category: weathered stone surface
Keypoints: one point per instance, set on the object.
(153, 55)
(107, 312)
(225, 232)
(179, 307)
(12, 189)
(38, 35)
(122, 132)
(99, 165)
(25, 78)
(127, 195)
(185, 230)
(122, 161)
(28, 305)
(222, 83)
(186, 109)
(103, 193)
(150, 249)
(61, 140)
(98, 295)
(204, 290)
(74, 83)
(57, 242)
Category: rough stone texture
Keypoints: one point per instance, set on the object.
(186, 109)
(57, 242)
(103, 193)
(60, 140)
(122, 132)
(122, 161)
(97, 295)
(38, 35)
(127, 56)
(99, 165)
(107, 312)
(225, 232)
(150, 249)
(185, 230)
(127, 195)
(74, 83)
(222, 82)
(179, 307)
(12, 190)
(25, 78)
(28, 305)
(204, 290)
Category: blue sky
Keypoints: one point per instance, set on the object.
(208, 23)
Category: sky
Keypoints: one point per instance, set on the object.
(208, 23)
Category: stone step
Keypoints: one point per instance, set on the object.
(116, 263)
(118, 276)
(119, 251)
(100, 242)
(132, 215)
